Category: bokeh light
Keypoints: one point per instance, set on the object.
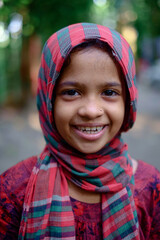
(100, 3)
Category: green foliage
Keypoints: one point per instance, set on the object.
(45, 17)
(49, 16)
(148, 19)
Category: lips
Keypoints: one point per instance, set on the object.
(90, 130)
(90, 133)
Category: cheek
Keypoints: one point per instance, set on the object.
(117, 113)
(57, 114)
(62, 115)
(120, 114)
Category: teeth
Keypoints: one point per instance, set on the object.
(90, 130)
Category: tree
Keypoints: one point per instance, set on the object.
(45, 17)
(40, 20)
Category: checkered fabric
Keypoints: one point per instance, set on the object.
(47, 211)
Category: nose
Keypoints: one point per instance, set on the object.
(90, 109)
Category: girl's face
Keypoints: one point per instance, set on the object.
(89, 105)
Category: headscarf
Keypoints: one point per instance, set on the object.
(47, 211)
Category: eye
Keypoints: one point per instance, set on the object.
(70, 92)
(110, 93)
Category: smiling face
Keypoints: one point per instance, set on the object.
(89, 104)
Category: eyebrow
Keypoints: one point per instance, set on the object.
(75, 84)
(68, 83)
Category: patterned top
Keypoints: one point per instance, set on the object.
(13, 183)
(87, 219)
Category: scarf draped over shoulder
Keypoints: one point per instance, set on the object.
(47, 211)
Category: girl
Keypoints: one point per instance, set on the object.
(84, 185)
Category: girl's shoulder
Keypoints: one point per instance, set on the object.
(14, 180)
(13, 183)
(147, 200)
(146, 175)
(147, 180)
(16, 176)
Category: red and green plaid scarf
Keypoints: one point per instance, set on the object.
(47, 211)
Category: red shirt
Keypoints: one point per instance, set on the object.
(146, 194)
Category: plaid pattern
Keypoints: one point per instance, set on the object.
(47, 211)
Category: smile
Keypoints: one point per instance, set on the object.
(90, 130)
(90, 133)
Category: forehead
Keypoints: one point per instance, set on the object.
(90, 47)
(91, 60)
(93, 69)
(90, 56)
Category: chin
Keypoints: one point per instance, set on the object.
(89, 149)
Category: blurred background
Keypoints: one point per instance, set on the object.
(25, 25)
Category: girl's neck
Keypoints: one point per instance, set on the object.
(135, 165)
(83, 195)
